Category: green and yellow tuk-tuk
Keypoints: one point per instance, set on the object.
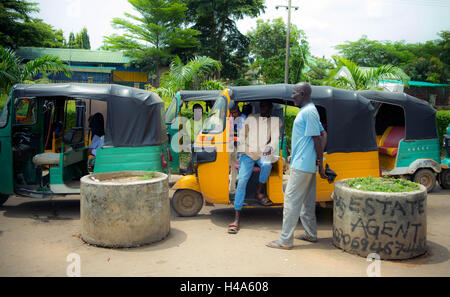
(135, 136)
(407, 137)
(351, 149)
(173, 123)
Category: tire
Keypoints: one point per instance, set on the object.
(444, 179)
(3, 198)
(426, 177)
(187, 203)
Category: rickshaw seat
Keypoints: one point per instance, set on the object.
(390, 140)
(46, 159)
(256, 168)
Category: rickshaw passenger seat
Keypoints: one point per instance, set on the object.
(391, 139)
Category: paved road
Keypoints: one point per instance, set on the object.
(36, 236)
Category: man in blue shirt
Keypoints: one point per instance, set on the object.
(307, 155)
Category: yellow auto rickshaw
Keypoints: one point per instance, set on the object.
(351, 149)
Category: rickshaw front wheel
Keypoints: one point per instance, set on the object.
(3, 198)
(444, 179)
(187, 203)
(426, 177)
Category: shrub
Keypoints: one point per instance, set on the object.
(392, 185)
(443, 120)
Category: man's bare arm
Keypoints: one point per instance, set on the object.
(319, 152)
(323, 139)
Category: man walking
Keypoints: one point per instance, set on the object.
(307, 153)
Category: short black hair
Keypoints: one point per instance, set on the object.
(305, 87)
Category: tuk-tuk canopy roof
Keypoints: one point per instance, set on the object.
(198, 95)
(343, 109)
(420, 117)
(134, 116)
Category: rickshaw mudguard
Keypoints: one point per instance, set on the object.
(188, 182)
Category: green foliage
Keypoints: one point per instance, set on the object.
(13, 70)
(363, 79)
(19, 28)
(219, 36)
(212, 85)
(241, 82)
(389, 185)
(188, 76)
(147, 176)
(319, 70)
(80, 40)
(443, 121)
(155, 35)
(429, 61)
(268, 47)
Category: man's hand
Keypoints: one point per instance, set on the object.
(268, 151)
(322, 173)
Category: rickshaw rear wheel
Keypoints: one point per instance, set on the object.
(444, 179)
(3, 198)
(187, 203)
(426, 177)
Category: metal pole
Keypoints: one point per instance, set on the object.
(288, 50)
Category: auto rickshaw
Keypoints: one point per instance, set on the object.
(351, 149)
(172, 119)
(407, 137)
(444, 176)
(135, 138)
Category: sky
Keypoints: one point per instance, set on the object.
(326, 23)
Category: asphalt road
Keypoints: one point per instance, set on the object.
(37, 236)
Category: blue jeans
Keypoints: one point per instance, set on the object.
(246, 165)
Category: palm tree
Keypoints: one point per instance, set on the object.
(359, 78)
(14, 71)
(191, 76)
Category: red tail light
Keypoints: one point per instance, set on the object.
(163, 162)
(170, 156)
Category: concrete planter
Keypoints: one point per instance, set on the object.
(117, 210)
(393, 225)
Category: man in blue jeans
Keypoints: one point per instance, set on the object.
(307, 155)
(259, 147)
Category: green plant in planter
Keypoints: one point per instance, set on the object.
(391, 185)
(148, 176)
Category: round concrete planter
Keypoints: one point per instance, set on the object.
(117, 213)
(392, 225)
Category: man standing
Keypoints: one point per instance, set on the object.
(307, 153)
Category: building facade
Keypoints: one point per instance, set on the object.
(89, 66)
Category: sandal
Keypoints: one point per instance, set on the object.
(233, 228)
(305, 237)
(277, 245)
(264, 200)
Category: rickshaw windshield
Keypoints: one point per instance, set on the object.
(4, 114)
(216, 118)
(171, 112)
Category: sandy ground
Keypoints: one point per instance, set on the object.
(36, 236)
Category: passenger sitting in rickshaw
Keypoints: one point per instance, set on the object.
(97, 126)
(238, 122)
(249, 139)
